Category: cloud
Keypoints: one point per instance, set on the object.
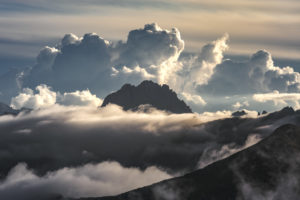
(188, 74)
(47, 98)
(204, 79)
(196, 99)
(28, 99)
(257, 75)
(239, 105)
(134, 139)
(211, 55)
(137, 71)
(283, 183)
(211, 156)
(90, 180)
(278, 98)
(102, 66)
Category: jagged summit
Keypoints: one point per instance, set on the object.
(130, 97)
(239, 113)
(5, 109)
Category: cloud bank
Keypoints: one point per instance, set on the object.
(174, 142)
(90, 180)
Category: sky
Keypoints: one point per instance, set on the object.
(273, 25)
(196, 47)
(59, 59)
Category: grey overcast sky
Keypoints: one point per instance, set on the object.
(273, 25)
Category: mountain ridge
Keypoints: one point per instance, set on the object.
(161, 97)
(260, 166)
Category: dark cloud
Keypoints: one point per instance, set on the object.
(50, 139)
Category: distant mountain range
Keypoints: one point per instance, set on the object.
(147, 93)
(268, 170)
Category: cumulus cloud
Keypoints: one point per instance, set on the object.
(279, 98)
(90, 180)
(45, 97)
(189, 74)
(211, 55)
(137, 71)
(239, 105)
(28, 99)
(196, 99)
(204, 79)
(102, 66)
(257, 75)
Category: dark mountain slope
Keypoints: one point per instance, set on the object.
(5, 109)
(258, 172)
(161, 97)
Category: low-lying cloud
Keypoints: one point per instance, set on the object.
(174, 142)
(90, 180)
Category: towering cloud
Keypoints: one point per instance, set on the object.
(257, 75)
(95, 64)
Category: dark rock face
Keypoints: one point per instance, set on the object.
(264, 112)
(161, 97)
(5, 109)
(238, 113)
(263, 170)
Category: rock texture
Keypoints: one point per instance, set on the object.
(147, 93)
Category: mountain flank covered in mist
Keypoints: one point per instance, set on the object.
(147, 93)
(267, 169)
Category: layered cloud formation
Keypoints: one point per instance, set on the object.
(93, 180)
(89, 151)
(206, 80)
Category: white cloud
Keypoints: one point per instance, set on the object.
(257, 75)
(136, 71)
(90, 180)
(211, 55)
(152, 52)
(45, 97)
(278, 98)
(211, 156)
(196, 99)
(133, 139)
(239, 105)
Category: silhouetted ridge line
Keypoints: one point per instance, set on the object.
(147, 93)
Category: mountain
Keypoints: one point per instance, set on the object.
(268, 170)
(147, 93)
(5, 109)
(239, 113)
